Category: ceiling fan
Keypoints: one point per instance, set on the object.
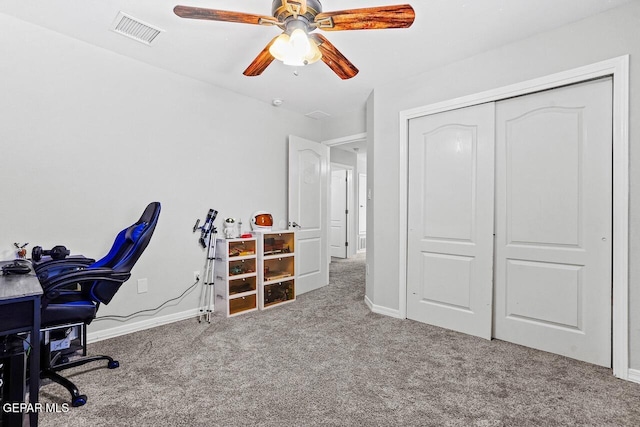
(297, 45)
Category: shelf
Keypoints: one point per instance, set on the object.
(240, 267)
(276, 268)
(242, 304)
(276, 256)
(236, 277)
(237, 258)
(241, 295)
(242, 285)
(276, 276)
(239, 248)
(278, 243)
(241, 252)
(278, 293)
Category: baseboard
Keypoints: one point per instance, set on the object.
(141, 326)
(382, 310)
(633, 375)
(368, 302)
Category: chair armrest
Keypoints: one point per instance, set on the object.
(76, 260)
(51, 288)
(54, 268)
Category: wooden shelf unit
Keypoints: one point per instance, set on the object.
(276, 268)
(236, 277)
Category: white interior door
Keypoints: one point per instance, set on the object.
(309, 211)
(362, 212)
(553, 221)
(450, 220)
(338, 231)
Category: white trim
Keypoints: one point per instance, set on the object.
(141, 326)
(382, 310)
(362, 184)
(619, 69)
(345, 139)
(341, 165)
(634, 375)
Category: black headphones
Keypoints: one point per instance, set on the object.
(57, 252)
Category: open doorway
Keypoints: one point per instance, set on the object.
(347, 198)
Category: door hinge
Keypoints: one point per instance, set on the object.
(346, 211)
(346, 243)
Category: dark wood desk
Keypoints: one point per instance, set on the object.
(20, 312)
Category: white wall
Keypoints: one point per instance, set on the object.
(352, 123)
(361, 201)
(88, 138)
(344, 157)
(370, 290)
(611, 34)
(362, 163)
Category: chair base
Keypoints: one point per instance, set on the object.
(51, 372)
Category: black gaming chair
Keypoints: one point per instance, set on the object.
(74, 288)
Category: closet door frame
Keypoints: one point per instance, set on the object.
(618, 68)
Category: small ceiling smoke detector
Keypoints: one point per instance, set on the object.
(135, 29)
(276, 102)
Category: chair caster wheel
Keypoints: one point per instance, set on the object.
(79, 400)
(113, 364)
(64, 360)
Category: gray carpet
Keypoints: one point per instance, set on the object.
(327, 360)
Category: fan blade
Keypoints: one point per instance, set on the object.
(333, 58)
(222, 15)
(261, 62)
(371, 18)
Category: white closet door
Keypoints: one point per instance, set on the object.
(450, 221)
(553, 221)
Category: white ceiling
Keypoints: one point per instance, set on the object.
(218, 52)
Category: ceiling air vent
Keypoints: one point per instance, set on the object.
(318, 115)
(135, 29)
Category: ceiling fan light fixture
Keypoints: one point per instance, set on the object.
(295, 49)
(297, 18)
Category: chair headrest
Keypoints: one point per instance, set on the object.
(135, 231)
(152, 210)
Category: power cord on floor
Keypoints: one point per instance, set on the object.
(113, 316)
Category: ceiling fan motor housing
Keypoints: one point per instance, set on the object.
(296, 10)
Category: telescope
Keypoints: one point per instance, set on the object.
(207, 228)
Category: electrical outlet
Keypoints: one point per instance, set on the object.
(143, 286)
(196, 276)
